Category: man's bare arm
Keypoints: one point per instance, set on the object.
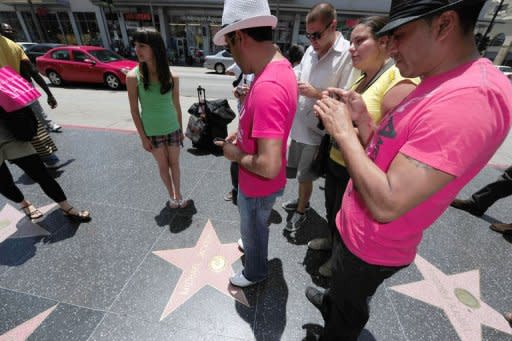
(266, 162)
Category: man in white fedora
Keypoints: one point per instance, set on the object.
(259, 145)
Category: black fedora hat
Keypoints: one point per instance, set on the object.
(405, 11)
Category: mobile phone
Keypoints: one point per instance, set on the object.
(219, 139)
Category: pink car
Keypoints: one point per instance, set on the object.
(87, 64)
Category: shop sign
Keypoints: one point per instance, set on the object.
(137, 16)
(351, 22)
(189, 19)
(42, 11)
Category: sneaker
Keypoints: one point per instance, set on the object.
(315, 296)
(326, 269)
(296, 222)
(468, 206)
(241, 244)
(228, 196)
(320, 244)
(501, 228)
(292, 205)
(240, 281)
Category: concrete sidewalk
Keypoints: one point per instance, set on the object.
(141, 271)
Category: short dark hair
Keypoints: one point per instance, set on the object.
(468, 16)
(260, 34)
(324, 12)
(295, 53)
(375, 23)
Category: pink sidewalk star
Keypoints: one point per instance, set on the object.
(459, 296)
(208, 263)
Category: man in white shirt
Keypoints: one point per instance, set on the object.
(326, 63)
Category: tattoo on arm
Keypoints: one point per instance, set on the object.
(417, 163)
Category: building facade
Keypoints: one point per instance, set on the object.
(185, 26)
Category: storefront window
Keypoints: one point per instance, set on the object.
(11, 19)
(191, 37)
(31, 27)
(88, 27)
(67, 35)
(136, 20)
(50, 26)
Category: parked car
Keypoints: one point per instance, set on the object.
(507, 70)
(25, 44)
(219, 62)
(88, 64)
(37, 50)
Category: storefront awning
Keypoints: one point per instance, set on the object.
(64, 3)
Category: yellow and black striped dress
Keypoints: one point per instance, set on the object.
(42, 142)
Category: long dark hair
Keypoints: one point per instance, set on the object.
(152, 37)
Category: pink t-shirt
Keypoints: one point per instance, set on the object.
(267, 113)
(453, 122)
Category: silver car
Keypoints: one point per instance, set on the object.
(507, 70)
(219, 62)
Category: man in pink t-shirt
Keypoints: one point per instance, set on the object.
(417, 160)
(259, 146)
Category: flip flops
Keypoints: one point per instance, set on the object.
(32, 212)
(501, 228)
(178, 203)
(77, 216)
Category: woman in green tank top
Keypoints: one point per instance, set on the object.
(158, 119)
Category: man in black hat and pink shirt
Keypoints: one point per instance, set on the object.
(419, 157)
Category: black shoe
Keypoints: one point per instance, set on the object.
(315, 296)
(468, 206)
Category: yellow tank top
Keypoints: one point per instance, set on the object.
(373, 98)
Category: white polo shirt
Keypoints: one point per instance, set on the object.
(334, 69)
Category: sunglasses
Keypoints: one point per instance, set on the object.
(317, 35)
(229, 40)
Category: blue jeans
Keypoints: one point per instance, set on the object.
(254, 215)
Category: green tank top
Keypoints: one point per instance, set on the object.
(158, 113)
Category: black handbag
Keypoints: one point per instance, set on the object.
(22, 123)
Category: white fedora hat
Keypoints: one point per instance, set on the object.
(241, 14)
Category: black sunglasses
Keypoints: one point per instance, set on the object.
(317, 35)
(231, 39)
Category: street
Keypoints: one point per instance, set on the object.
(97, 106)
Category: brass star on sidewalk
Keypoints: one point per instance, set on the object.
(27, 328)
(14, 223)
(208, 263)
(459, 296)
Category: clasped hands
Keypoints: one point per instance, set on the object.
(229, 147)
(338, 109)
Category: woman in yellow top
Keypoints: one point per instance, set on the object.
(382, 88)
